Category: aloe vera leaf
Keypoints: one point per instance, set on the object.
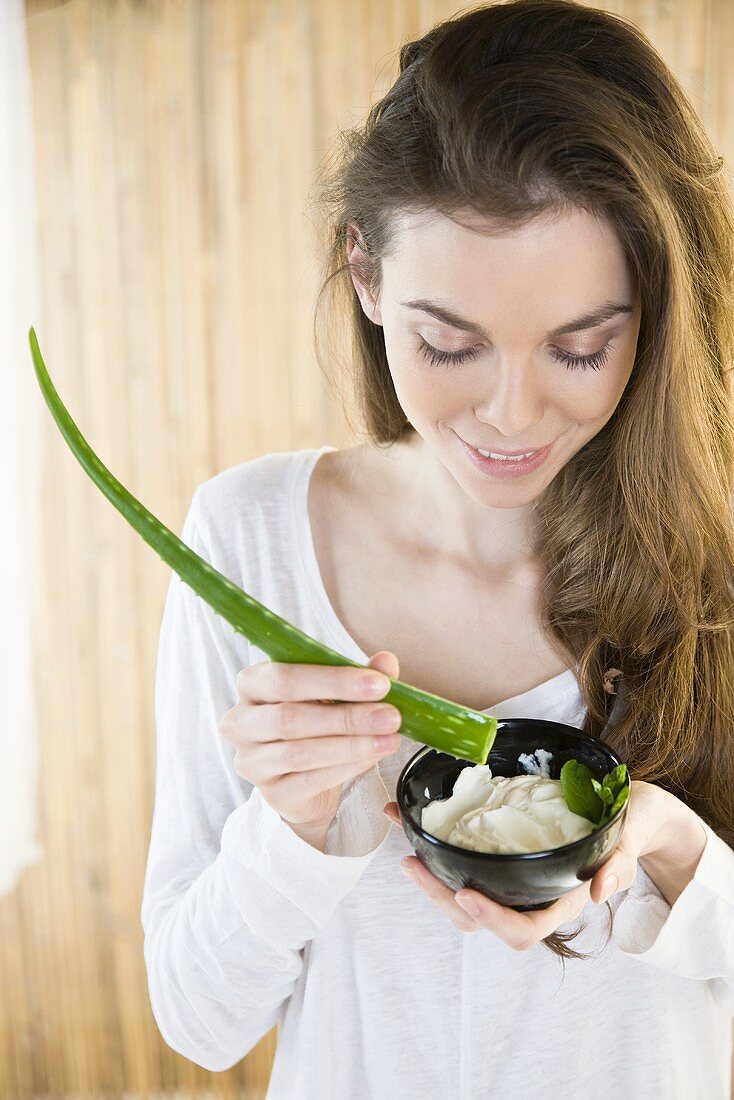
(429, 719)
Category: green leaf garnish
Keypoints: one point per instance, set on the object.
(586, 796)
(605, 793)
(616, 779)
(578, 790)
(619, 801)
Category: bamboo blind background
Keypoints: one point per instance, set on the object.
(176, 141)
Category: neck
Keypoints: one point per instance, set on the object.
(440, 519)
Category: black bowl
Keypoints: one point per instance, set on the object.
(529, 880)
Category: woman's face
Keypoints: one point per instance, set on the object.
(513, 385)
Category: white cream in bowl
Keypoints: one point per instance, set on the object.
(506, 815)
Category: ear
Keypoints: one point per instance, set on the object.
(358, 259)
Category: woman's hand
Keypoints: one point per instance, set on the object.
(297, 747)
(654, 818)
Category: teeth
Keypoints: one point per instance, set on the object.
(505, 458)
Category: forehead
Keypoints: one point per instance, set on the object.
(553, 256)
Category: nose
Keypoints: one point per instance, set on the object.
(514, 403)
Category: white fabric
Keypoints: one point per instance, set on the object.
(376, 993)
(21, 457)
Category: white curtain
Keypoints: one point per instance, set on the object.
(20, 458)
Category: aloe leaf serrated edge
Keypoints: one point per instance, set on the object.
(428, 719)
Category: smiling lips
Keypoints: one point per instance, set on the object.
(503, 465)
(509, 454)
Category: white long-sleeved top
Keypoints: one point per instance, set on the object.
(376, 993)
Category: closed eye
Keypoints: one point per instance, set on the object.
(572, 362)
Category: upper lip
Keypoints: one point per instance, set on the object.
(495, 450)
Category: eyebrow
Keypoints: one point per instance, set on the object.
(588, 320)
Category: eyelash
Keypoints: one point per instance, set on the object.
(572, 362)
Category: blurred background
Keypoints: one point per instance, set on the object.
(157, 162)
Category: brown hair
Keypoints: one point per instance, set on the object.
(518, 109)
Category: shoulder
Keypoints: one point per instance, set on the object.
(353, 472)
(256, 500)
(248, 488)
(241, 519)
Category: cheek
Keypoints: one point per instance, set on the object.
(418, 383)
(589, 403)
(593, 396)
(430, 393)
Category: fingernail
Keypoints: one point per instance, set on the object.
(610, 885)
(469, 906)
(409, 870)
(384, 718)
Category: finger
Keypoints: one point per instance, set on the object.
(292, 720)
(561, 912)
(391, 810)
(277, 681)
(603, 885)
(647, 809)
(272, 758)
(521, 931)
(385, 661)
(618, 873)
(440, 894)
(297, 785)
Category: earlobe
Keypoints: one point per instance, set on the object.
(369, 305)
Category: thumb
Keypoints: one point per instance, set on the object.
(386, 662)
(622, 864)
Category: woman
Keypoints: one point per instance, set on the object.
(535, 242)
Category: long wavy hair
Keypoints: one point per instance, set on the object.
(515, 110)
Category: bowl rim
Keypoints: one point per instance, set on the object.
(572, 731)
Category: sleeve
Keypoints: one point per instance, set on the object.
(231, 894)
(695, 937)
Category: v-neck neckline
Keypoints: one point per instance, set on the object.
(343, 641)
